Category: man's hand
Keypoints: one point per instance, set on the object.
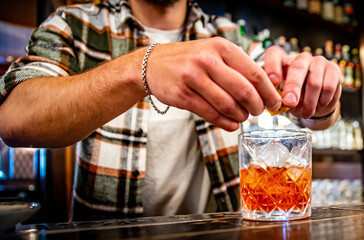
(213, 78)
(312, 85)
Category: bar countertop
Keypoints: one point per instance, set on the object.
(336, 222)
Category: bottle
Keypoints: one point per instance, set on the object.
(339, 11)
(289, 3)
(307, 49)
(267, 41)
(241, 23)
(255, 34)
(357, 68)
(228, 15)
(282, 42)
(355, 55)
(348, 16)
(294, 50)
(345, 51)
(328, 10)
(357, 76)
(314, 7)
(342, 65)
(302, 4)
(329, 50)
(349, 75)
(319, 52)
(337, 55)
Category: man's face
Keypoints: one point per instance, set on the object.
(164, 3)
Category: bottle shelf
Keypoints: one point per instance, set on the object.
(336, 170)
(346, 28)
(350, 90)
(335, 152)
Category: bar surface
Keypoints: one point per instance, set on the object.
(336, 222)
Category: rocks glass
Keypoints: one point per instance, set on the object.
(275, 174)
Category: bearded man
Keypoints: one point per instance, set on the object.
(156, 127)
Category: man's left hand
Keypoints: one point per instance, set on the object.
(312, 84)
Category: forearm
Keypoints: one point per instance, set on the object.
(59, 111)
(323, 124)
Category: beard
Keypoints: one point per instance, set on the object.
(164, 3)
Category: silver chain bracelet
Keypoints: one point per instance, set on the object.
(145, 79)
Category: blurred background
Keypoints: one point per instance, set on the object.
(332, 28)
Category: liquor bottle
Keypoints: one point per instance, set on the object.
(267, 41)
(302, 4)
(328, 10)
(241, 23)
(349, 75)
(329, 50)
(342, 65)
(294, 50)
(255, 34)
(319, 52)
(307, 49)
(314, 7)
(357, 76)
(339, 11)
(282, 42)
(357, 68)
(355, 55)
(345, 51)
(338, 52)
(228, 15)
(289, 3)
(348, 17)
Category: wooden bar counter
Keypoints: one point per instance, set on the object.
(336, 222)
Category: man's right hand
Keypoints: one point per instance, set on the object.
(213, 78)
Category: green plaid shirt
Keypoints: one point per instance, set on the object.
(111, 162)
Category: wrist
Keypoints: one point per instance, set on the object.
(131, 73)
(322, 118)
(323, 122)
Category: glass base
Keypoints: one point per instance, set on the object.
(275, 215)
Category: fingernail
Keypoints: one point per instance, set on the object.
(290, 98)
(276, 107)
(274, 79)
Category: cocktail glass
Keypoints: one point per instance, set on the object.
(275, 174)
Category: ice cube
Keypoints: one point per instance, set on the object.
(274, 154)
(297, 157)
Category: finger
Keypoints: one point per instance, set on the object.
(275, 60)
(332, 105)
(222, 101)
(331, 81)
(196, 104)
(231, 83)
(234, 57)
(296, 76)
(313, 86)
(297, 111)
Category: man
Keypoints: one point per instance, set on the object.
(130, 159)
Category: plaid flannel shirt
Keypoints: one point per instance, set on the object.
(110, 163)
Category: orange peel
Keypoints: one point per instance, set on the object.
(282, 109)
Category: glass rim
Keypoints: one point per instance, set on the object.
(291, 133)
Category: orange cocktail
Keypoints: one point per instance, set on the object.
(275, 189)
(275, 180)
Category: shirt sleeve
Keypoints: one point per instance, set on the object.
(50, 53)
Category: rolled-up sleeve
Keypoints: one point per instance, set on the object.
(50, 53)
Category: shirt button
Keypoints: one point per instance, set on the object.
(140, 132)
(135, 173)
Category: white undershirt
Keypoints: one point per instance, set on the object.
(176, 180)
